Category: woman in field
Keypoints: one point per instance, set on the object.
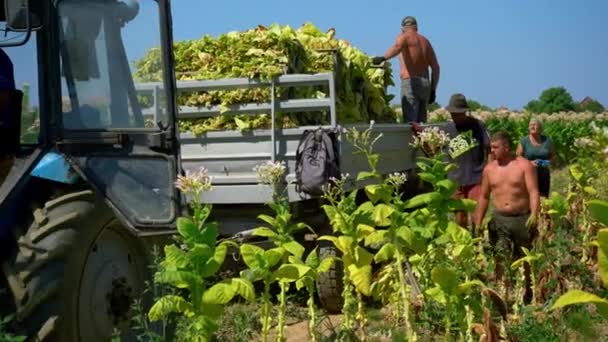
(538, 149)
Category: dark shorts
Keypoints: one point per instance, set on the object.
(544, 180)
(508, 234)
(415, 93)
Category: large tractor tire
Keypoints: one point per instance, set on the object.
(329, 284)
(75, 272)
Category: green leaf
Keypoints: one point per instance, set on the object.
(363, 175)
(179, 279)
(220, 293)
(599, 211)
(208, 234)
(436, 294)
(291, 272)
(364, 230)
(312, 260)
(345, 243)
(294, 248)
(382, 214)
(423, 199)
(243, 288)
(602, 255)
(468, 285)
(326, 264)
(573, 297)
(447, 186)
(446, 278)
(428, 177)
(249, 252)
(187, 229)
(333, 239)
(590, 190)
(361, 278)
(375, 238)
(576, 172)
(175, 257)
(201, 253)
(273, 256)
(264, 232)
(170, 304)
(385, 253)
(378, 193)
(363, 256)
(464, 204)
(215, 263)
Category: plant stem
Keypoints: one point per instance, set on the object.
(448, 323)
(311, 312)
(361, 317)
(266, 312)
(347, 324)
(404, 296)
(469, 323)
(282, 307)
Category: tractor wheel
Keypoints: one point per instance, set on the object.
(329, 284)
(75, 272)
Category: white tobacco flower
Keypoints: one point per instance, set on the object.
(194, 182)
(397, 179)
(269, 172)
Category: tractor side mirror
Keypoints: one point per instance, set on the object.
(23, 15)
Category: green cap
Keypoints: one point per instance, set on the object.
(409, 21)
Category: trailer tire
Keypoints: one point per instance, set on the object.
(64, 264)
(329, 284)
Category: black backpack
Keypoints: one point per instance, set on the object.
(316, 161)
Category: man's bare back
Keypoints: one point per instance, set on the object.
(507, 184)
(416, 55)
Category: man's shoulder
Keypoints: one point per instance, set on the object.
(490, 166)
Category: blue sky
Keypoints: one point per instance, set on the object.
(496, 52)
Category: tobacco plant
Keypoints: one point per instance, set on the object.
(191, 265)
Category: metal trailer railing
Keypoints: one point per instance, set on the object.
(274, 106)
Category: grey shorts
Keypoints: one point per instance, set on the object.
(415, 93)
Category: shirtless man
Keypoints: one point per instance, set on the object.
(516, 200)
(416, 55)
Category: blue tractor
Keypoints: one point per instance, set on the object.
(87, 180)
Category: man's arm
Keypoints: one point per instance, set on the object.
(484, 198)
(434, 64)
(394, 50)
(532, 187)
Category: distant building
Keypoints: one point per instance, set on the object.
(586, 101)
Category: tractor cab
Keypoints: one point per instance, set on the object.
(79, 112)
(88, 161)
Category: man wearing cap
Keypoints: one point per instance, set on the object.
(416, 55)
(469, 149)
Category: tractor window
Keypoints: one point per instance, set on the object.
(107, 50)
(25, 72)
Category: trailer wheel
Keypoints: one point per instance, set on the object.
(75, 272)
(329, 284)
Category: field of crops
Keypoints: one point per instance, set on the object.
(563, 128)
(455, 296)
